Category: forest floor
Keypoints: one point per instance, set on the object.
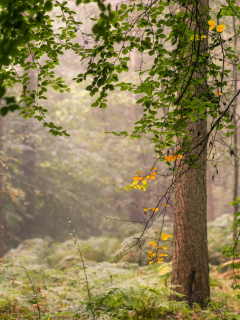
(39, 280)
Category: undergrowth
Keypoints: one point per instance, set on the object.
(39, 280)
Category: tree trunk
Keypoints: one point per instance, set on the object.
(235, 138)
(28, 166)
(210, 199)
(190, 253)
(1, 178)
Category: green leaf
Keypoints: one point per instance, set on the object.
(2, 91)
(194, 118)
(4, 111)
(123, 6)
(48, 5)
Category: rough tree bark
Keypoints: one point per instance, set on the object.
(210, 199)
(190, 253)
(1, 177)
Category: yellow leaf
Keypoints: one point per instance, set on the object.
(153, 174)
(160, 261)
(139, 172)
(153, 243)
(136, 178)
(165, 205)
(145, 210)
(164, 248)
(212, 23)
(150, 255)
(140, 178)
(219, 29)
(152, 178)
(203, 36)
(155, 209)
(165, 236)
(133, 184)
(150, 262)
(163, 255)
(218, 93)
(147, 177)
(138, 187)
(212, 27)
(155, 168)
(144, 181)
(221, 26)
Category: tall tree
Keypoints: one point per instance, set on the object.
(28, 166)
(1, 185)
(190, 252)
(235, 138)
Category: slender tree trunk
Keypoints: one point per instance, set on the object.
(1, 179)
(28, 166)
(210, 199)
(190, 253)
(235, 138)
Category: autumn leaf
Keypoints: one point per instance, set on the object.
(150, 255)
(152, 178)
(153, 243)
(140, 178)
(218, 93)
(146, 209)
(164, 248)
(136, 178)
(154, 174)
(139, 172)
(212, 23)
(220, 27)
(144, 181)
(165, 236)
(155, 209)
(166, 205)
(133, 184)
